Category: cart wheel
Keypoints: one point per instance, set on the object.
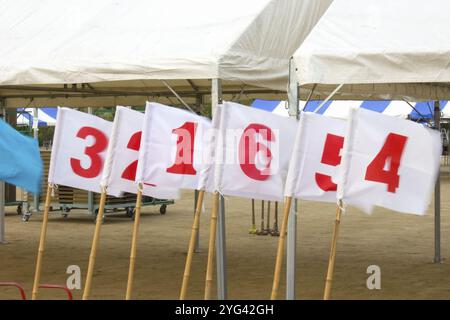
(26, 216)
(65, 215)
(19, 209)
(129, 211)
(162, 209)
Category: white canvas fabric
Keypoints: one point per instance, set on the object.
(79, 149)
(121, 43)
(206, 179)
(253, 153)
(381, 49)
(173, 147)
(315, 162)
(119, 173)
(389, 162)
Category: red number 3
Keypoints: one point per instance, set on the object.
(93, 152)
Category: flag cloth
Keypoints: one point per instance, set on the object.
(21, 163)
(206, 180)
(252, 158)
(316, 158)
(79, 148)
(389, 162)
(173, 147)
(119, 173)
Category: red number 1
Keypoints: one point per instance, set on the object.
(185, 149)
(390, 155)
(93, 152)
(330, 156)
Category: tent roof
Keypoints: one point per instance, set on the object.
(128, 46)
(380, 48)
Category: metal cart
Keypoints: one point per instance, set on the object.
(66, 198)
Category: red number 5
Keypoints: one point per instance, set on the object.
(93, 152)
(330, 156)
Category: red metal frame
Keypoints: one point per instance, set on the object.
(18, 286)
(55, 286)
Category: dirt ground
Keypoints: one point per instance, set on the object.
(401, 245)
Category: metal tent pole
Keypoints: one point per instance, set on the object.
(36, 136)
(216, 98)
(198, 105)
(293, 104)
(2, 192)
(90, 198)
(437, 194)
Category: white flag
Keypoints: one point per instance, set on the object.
(119, 173)
(389, 162)
(253, 157)
(173, 147)
(316, 158)
(206, 180)
(79, 148)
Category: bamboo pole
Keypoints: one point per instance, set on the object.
(262, 231)
(95, 241)
(275, 231)
(329, 280)
(37, 274)
(190, 253)
(253, 228)
(212, 247)
(280, 251)
(137, 219)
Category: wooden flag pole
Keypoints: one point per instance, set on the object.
(137, 218)
(37, 274)
(212, 247)
(330, 271)
(95, 241)
(190, 253)
(253, 229)
(280, 252)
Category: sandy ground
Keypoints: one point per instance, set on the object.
(401, 245)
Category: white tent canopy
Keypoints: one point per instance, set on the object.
(108, 52)
(380, 49)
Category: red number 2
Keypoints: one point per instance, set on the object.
(93, 152)
(390, 155)
(134, 144)
(330, 156)
(185, 149)
(130, 172)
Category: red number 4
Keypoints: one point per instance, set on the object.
(384, 168)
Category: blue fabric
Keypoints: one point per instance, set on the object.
(314, 104)
(267, 105)
(377, 106)
(20, 160)
(52, 112)
(425, 110)
(29, 116)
